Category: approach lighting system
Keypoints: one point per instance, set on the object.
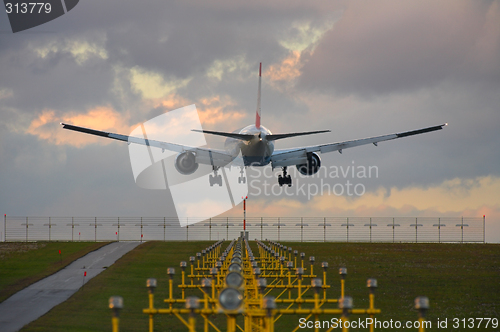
(241, 292)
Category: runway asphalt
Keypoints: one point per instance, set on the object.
(37, 299)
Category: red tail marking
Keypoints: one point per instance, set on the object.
(257, 115)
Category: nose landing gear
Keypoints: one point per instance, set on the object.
(216, 178)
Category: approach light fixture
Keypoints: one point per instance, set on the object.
(151, 284)
(234, 279)
(230, 299)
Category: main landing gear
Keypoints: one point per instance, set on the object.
(285, 179)
(216, 178)
(242, 178)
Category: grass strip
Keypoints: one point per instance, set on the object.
(22, 264)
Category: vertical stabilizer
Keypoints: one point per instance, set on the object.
(257, 115)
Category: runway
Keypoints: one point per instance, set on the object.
(37, 299)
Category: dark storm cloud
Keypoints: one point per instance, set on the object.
(55, 81)
(172, 38)
(182, 38)
(396, 46)
(42, 70)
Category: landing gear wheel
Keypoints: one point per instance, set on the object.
(285, 179)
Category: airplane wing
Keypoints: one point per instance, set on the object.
(297, 156)
(203, 155)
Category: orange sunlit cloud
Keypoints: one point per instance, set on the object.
(172, 101)
(218, 110)
(211, 110)
(286, 70)
(46, 126)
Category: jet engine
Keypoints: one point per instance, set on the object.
(312, 166)
(185, 163)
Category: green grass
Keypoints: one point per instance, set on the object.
(461, 281)
(22, 264)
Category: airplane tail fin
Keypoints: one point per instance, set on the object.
(257, 115)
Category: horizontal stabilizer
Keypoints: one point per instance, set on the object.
(280, 136)
(248, 137)
(243, 137)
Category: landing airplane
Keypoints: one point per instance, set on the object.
(256, 144)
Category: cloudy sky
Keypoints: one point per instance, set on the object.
(357, 68)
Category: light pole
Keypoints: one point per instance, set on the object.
(245, 233)
(245, 213)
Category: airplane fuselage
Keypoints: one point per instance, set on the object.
(255, 152)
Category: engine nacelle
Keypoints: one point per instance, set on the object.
(312, 166)
(185, 163)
